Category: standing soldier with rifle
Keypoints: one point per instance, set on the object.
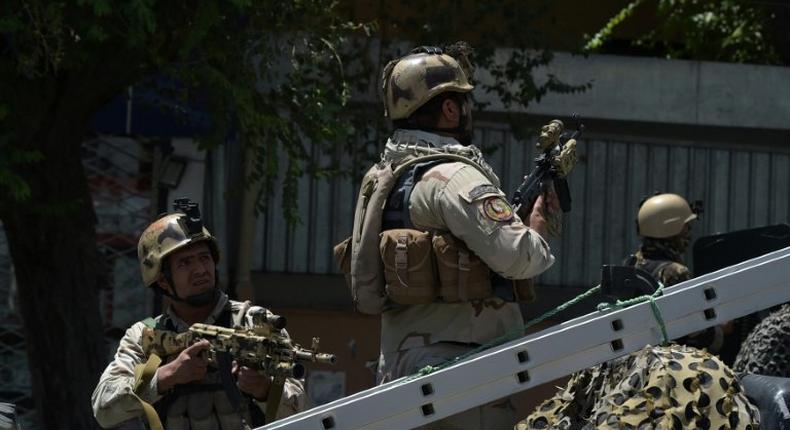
(200, 386)
(431, 226)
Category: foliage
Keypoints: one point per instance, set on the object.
(720, 30)
(506, 46)
(11, 184)
(278, 77)
(267, 72)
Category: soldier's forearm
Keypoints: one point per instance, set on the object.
(164, 379)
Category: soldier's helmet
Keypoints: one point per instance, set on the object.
(409, 82)
(663, 216)
(165, 236)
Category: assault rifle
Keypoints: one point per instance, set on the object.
(273, 354)
(261, 347)
(557, 158)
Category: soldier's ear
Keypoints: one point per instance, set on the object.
(451, 111)
(161, 282)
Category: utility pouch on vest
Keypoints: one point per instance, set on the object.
(524, 290)
(342, 252)
(409, 269)
(462, 275)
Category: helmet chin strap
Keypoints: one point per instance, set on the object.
(198, 300)
(195, 300)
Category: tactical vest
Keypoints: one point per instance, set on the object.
(205, 405)
(653, 267)
(386, 261)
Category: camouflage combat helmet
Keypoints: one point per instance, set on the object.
(409, 82)
(166, 235)
(664, 215)
(663, 387)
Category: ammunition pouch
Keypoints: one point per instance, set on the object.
(421, 268)
(409, 267)
(412, 267)
(463, 276)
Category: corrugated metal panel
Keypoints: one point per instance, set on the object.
(740, 189)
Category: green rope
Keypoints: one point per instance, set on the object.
(519, 332)
(511, 335)
(620, 304)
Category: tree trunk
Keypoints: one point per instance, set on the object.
(52, 243)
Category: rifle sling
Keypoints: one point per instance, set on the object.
(273, 398)
(224, 363)
(143, 373)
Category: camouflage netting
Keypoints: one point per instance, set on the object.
(674, 387)
(766, 351)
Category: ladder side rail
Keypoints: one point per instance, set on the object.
(584, 341)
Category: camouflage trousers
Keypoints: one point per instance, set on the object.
(500, 414)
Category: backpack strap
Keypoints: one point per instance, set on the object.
(396, 211)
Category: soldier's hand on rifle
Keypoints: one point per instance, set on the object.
(190, 365)
(546, 206)
(251, 381)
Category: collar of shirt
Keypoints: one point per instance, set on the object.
(419, 137)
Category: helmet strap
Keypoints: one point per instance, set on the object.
(196, 300)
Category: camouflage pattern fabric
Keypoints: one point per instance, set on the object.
(465, 201)
(663, 259)
(766, 350)
(673, 387)
(451, 197)
(114, 400)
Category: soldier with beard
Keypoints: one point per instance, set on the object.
(178, 257)
(664, 222)
(431, 224)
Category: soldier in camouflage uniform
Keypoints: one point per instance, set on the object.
(672, 387)
(664, 222)
(426, 94)
(179, 258)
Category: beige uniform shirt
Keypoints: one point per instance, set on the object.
(452, 197)
(113, 399)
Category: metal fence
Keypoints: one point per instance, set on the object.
(740, 188)
(118, 171)
(119, 178)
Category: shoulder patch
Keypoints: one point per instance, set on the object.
(481, 190)
(497, 209)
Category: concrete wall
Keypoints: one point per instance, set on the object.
(666, 91)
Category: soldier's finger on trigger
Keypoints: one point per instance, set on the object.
(197, 347)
